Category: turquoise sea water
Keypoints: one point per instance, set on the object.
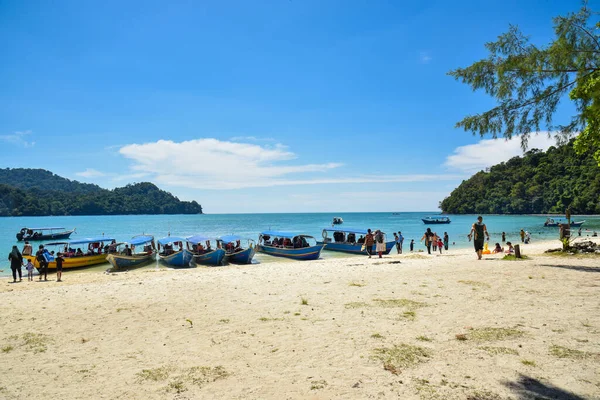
(249, 225)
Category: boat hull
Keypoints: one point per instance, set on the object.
(241, 257)
(355, 248)
(72, 262)
(123, 262)
(555, 224)
(304, 253)
(52, 236)
(180, 258)
(431, 222)
(213, 258)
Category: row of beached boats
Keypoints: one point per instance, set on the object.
(191, 251)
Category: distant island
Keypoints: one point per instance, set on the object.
(538, 183)
(37, 192)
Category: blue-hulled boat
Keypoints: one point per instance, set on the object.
(345, 240)
(435, 220)
(204, 252)
(138, 251)
(234, 252)
(171, 250)
(290, 245)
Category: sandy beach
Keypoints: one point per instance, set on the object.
(407, 326)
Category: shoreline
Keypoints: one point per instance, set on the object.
(348, 327)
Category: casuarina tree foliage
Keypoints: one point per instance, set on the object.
(529, 81)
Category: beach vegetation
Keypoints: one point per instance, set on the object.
(316, 385)
(410, 315)
(399, 303)
(304, 301)
(377, 336)
(35, 342)
(401, 356)
(176, 386)
(483, 395)
(529, 363)
(475, 283)
(499, 350)
(528, 82)
(423, 338)
(565, 352)
(154, 374)
(494, 334)
(357, 284)
(8, 348)
(512, 257)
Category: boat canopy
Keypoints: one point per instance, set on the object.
(92, 240)
(230, 238)
(141, 240)
(279, 234)
(44, 229)
(171, 239)
(198, 239)
(347, 230)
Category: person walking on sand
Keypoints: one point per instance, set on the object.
(379, 242)
(478, 229)
(440, 244)
(27, 249)
(522, 236)
(16, 262)
(446, 241)
(29, 267)
(59, 265)
(43, 263)
(412, 244)
(434, 242)
(397, 243)
(369, 241)
(428, 236)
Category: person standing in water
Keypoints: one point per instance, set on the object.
(522, 236)
(478, 229)
(503, 237)
(446, 241)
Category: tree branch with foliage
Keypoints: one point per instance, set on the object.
(530, 81)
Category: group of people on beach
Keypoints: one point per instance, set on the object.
(42, 256)
(434, 241)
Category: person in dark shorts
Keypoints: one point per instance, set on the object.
(478, 230)
(41, 259)
(59, 265)
(428, 237)
(369, 242)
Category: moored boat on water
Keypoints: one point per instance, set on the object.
(290, 245)
(136, 252)
(172, 252)
(74, 257)
(435, 220)
(337, 221)
(206, 250)
(37, 234)
(554, 223)
(234, 252)
(345, 240)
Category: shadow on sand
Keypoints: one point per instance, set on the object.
(574, 267)
(529, 388)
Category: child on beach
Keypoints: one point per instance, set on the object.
(440, 244)
(412, 244)
(29, 268)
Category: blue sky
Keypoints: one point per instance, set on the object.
(256, 106)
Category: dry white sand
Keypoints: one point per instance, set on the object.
(369, 329)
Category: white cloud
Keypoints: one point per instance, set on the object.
(251, 139)
(18, 138)
(215, 164)
(424, 57)
(90, 173)
(488, 152)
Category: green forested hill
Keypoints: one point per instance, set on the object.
(25, 178)
(540, 182)
(33, 197)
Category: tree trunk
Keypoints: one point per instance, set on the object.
(517, 250)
